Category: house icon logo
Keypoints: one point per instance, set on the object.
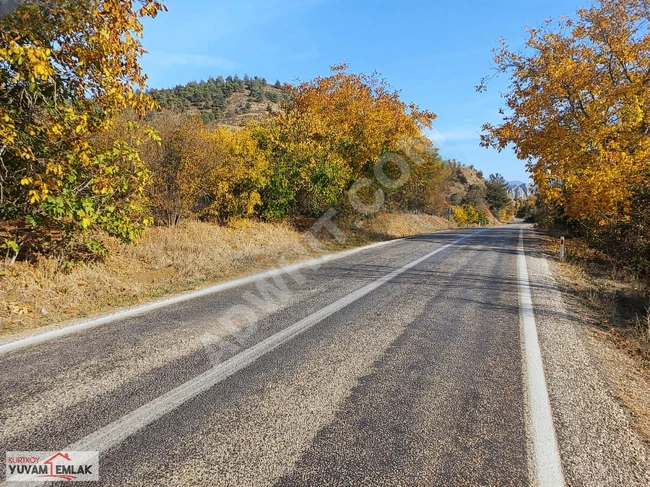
(66, 466)
(60, 462)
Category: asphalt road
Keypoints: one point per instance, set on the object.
(400, 364)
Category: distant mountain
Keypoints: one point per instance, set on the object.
(228, 101)
(519, 190)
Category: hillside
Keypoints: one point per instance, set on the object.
(463, 177)
(467, 186)
(227, 101)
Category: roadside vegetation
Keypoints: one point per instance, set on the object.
(617, 297)
(173, 259)
(111, 193)
(579, 114)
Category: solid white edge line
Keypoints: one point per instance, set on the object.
(546, 455)
(116, 432)
(206, 291)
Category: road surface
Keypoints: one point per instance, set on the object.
(416, 362)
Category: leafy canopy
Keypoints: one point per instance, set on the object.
(578, 109)
(330, 134)
(67, 67)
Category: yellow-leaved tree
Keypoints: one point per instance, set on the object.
(211, 173)
(578, 110)
(239, 174)
(331, 133)
(67, 68)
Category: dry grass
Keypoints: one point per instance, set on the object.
(397, 225)
(168, 261)
(620, 301)
(612, 303)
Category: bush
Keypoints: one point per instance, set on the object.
(424, 190)
(66, 69)
(469, 215)
(212, 174)
(239, 172)
(459, 216)
(627, 242)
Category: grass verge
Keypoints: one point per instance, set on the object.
(620, 302)
(167, 261)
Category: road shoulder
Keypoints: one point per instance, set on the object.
(598, 440)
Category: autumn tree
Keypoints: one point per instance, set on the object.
(213, 174)
(424, 190)
(67, 68)
(330, 133)
(238, 175)
(627, 241)
(469, 215)
(179, 164)
(472, 214)
(578, 110)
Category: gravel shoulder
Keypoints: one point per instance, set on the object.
(599, 436)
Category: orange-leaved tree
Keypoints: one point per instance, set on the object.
(578, 109)
(331, 133)
(67, 67)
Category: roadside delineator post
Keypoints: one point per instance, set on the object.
(562, 249)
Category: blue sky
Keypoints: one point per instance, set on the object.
(435, 52)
